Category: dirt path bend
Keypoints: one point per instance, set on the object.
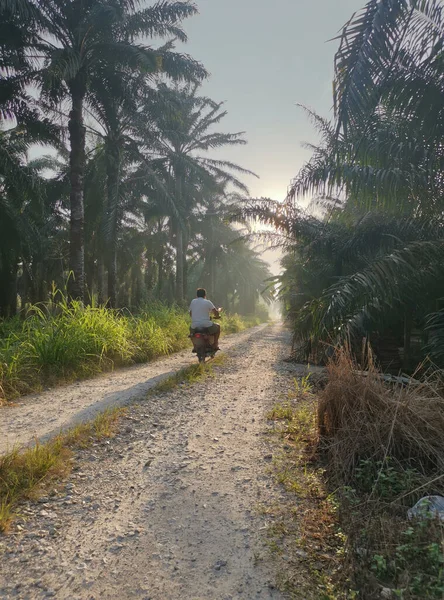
(167, 510)
(45, 414)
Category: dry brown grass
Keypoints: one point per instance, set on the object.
(383, 445)
(360, 417)
(357, 456)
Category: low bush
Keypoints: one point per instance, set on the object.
(232, 324)
(236, 323)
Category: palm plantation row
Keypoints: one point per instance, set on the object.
(129, 205)
(365, 260)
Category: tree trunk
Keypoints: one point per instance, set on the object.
(112, 278)
(26, 284)
(89, 278)
(185, 241)
(212, 274)
(159, 260)
(8, 286)
(211, 258)
(179, 237)
(179, 265)
(150, 273)
(139, 284)
(76, 285)
(112, 183)
(13, 290)
(101, 292)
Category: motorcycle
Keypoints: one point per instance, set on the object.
(203, 343)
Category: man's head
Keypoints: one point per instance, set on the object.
(201, 293)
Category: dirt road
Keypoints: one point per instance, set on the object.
(45, 414)
(167, 510)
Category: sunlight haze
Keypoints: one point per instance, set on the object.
(264, 59)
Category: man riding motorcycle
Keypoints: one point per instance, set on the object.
(201, 311)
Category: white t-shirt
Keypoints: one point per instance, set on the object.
(200, 309)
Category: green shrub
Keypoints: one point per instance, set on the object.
(232, 324)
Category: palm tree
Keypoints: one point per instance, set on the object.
(391, 52)
(117, 100)
(180, 137)
(68, 41)
(30, 214)
(376, 248)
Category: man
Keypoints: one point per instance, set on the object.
(200, 310)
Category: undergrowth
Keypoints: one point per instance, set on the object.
(304, 526)
(383, 446)
(60, 342)
(354, 461)
(24, 473)
(236, 323)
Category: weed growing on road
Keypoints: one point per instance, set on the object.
(24, 473)
(189, 375)
(303, 536)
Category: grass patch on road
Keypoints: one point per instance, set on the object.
(303, 534)
(26, 473)
(188, 375)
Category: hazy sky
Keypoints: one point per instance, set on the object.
(264, 58)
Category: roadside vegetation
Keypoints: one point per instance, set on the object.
(58, 342)
(354, 458)
(27, 473)
(363, 288)
(364, 259)
(124, 209)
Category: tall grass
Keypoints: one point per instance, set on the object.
(59, 342)
(236, 323)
